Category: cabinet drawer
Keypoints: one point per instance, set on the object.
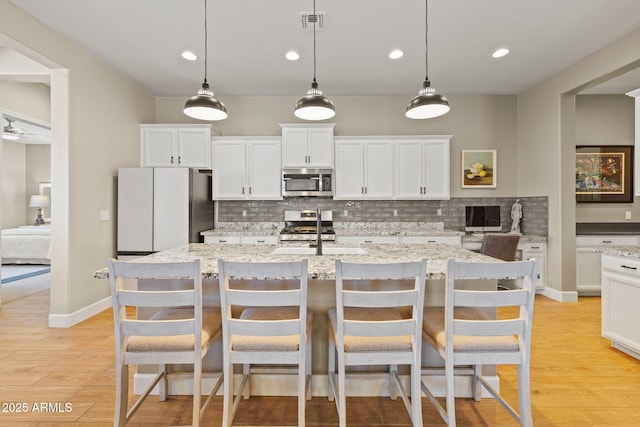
(620, 265)
(367, 239)
(606, 240)
(257, 240)
(221, 239)
(533, 247)
(449, 240)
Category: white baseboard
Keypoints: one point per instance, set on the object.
(561, 296)
(68, 320)
(286, 385)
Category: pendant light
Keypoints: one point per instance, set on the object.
(314, 106)
(428, 104)
(204, 106)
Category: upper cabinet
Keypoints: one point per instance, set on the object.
(364, 168)
(175, 146)
(247, 168)
(307, 146)
(422, 168)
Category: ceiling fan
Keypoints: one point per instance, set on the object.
(25, 133)
(9, 132)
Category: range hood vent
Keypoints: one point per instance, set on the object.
(308, 18)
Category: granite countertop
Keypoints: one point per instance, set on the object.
(625, 251)
(320, 267)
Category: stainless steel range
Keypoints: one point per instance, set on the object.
(302, 226)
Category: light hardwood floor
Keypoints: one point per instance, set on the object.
(577, 378)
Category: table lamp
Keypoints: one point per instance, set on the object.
(39, 201)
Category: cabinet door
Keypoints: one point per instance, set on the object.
(408, 170)
(378, 170)
(170, 207)
(349, 170)
(229, 170)
(194, 148)
(436, 170)
(294, 147)
(320, 147)
(157, 147)
(264, 171)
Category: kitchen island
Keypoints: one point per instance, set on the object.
(621, 297)
(321, 294)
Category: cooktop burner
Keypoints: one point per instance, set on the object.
(302, 225)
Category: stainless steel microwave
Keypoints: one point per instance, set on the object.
(307, 182)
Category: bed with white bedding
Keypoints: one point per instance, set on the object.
(27, 244)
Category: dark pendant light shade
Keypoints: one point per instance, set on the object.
(428, 104)
(314, 106)
(204, 106)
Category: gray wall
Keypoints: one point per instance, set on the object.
(606, 120)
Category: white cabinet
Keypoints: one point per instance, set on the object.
(448, 240)
(588, 267)
(526, 251)
(175, 146)
(361, 240)
(620, 299)
(307, 146)
(536, 250)
(247, 168)
(422, 168)
(364, 169)
(247, 240)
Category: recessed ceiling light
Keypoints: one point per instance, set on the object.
(499, 53)
(292, 55)
(189, 56)
(395, 54)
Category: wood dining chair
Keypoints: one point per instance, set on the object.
(465, 335)
(264, 325)
(369, 327)
(179, 332)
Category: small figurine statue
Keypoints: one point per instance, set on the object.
(516, 216)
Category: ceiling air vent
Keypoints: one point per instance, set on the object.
(308, 18)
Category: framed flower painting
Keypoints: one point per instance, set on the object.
(604, 174)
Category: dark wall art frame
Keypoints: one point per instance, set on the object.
(604, 174)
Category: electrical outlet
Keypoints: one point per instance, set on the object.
(345, 213)
(395, 212)
(439, 212)
(104, 215)
(627, 215)
(244, 213)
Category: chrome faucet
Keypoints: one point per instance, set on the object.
(319, 232)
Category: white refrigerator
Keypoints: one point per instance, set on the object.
(160, 208)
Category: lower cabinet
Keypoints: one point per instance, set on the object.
(526, 251)
(246, 240)
(448, 240)
(620, 299)
(588, 259)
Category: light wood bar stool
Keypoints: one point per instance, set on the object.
(367, 327)
(180, 332)
(273, 327)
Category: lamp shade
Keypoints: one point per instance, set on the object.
(204, 106)
(427, 105)
(314, 106)
(39, 201)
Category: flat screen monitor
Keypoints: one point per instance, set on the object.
(482, 218)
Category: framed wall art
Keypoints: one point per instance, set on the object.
(479, 169)
(604, 174)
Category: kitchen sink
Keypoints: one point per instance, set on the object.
(312, 251)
